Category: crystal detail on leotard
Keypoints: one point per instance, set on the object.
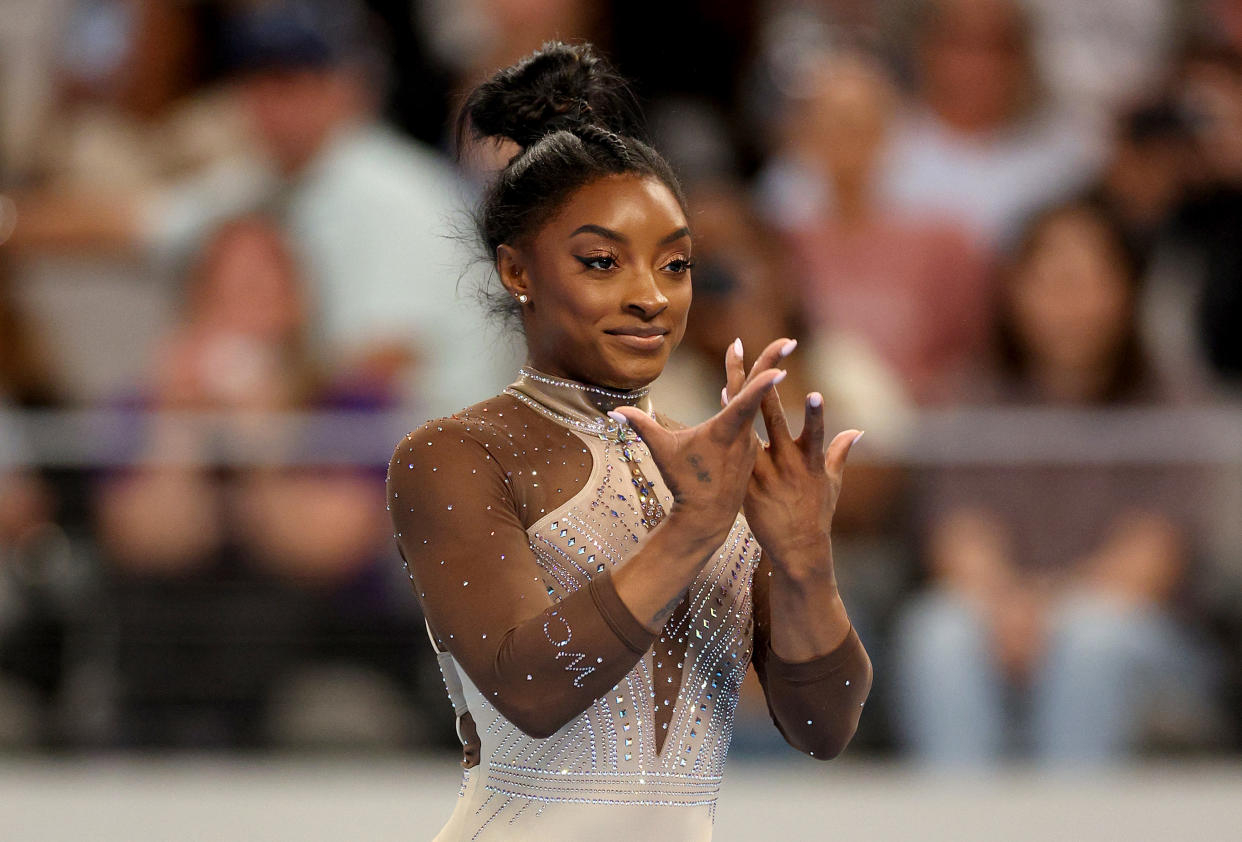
(629, 746)
(602, 427)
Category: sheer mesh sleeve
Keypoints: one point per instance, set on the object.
(815, 704)
(460, 523)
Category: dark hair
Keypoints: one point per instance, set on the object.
(576, 122)
(1132, 369)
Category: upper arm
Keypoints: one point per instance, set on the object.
(456, 523)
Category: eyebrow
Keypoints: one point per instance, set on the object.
(683, 231)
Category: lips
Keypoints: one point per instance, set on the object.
(640, 337)
(638, 330)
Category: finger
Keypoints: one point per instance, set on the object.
(812, 439)
(740, 413)
(653, 435)
(834, 461)
(774, 419)
(735, 370)
(776, 351)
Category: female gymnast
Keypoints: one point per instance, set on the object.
(591, 586)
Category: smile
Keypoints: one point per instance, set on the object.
(644, 338)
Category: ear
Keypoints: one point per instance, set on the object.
(511, 266)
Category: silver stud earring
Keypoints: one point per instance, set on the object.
(523, 298)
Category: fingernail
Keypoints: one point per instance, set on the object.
(618, 417)
(779, 377)
(857, 437)
(788, 347)
(737, 346)
(816, 400)
(724, 395)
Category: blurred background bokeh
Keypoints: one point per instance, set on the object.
(236, 266)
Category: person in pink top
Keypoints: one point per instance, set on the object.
(912, 292)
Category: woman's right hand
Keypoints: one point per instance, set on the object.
(707, 467)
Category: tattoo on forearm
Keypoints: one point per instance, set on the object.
(664, 613)
(702, 473)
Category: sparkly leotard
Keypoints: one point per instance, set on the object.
(511, 516)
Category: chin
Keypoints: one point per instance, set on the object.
(633, 372)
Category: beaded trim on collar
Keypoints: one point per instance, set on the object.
(581, 406)
(620, 397)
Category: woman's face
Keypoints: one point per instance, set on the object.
(1070, 299)
(248, 285)
(974, 63)
(608, 281)
(847, 116)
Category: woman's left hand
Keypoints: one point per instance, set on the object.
(795, 484)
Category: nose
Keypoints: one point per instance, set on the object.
(644, 298)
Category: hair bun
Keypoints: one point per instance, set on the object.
(559, 86)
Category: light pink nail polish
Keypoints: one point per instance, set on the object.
(816, 400)
(857, 437)
(737, 346)
(779, 377)
(788, 347)
(724, 395)
(618, 417)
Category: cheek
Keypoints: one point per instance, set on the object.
(679, 302)
(580, 306)
(567, 309)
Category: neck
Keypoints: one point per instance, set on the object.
(579, 405)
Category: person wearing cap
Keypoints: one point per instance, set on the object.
(371, 213)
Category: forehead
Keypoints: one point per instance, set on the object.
(637, 206)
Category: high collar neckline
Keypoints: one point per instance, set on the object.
(584, 403)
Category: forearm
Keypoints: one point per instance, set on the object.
(596, 635)
(816, 704)
(546, 670)
(815, 672)
(809, 619)
(654, 579)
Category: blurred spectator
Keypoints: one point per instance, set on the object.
(714, 43)
(418, 93)
(1219, 20)
(26, 380)
(275, 559)
(29, 36)
(908, 293)
(981, 144)
(1144, 181)
(1099, 57)
(477, 37)
(1066, 581)
(30, 634)
(374, 218)
(1211, 91)
(1174, 179)
(1144, 185)
(130, 114)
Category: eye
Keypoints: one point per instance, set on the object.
(602, 262)
(679, 265)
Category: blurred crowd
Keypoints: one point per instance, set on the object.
(1017, 219)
